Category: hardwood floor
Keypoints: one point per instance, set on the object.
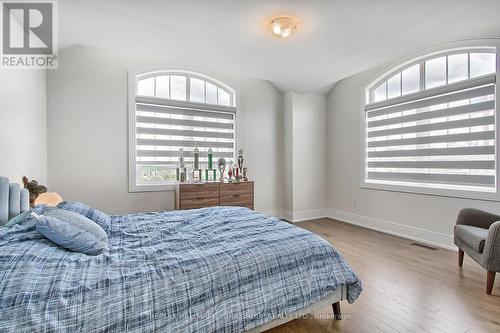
(406, 288)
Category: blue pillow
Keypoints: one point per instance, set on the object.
(17, 219)
(102, 219)
(72, 231)
(25, 216)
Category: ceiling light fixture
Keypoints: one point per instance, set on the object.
(283, 26)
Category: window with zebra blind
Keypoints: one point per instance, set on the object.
(430, 126)
(173, 110)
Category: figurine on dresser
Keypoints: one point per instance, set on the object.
(210, 172)
(181, 168)
(236, 172)
(240, 159)
(230, 171)
(196, 168)
(222, 168)
(239, 170)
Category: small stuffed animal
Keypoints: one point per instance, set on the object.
(34, 189)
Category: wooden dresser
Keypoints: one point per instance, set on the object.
(191, 195)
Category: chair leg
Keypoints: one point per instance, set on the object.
(460, 257)
(336, 310)
(489, 282)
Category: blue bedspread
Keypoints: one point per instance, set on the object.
(207, 270)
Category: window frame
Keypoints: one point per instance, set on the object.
(139, 74)
(189, 75)
(421, 61)
(479, 46)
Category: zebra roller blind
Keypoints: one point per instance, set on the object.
(439, 137)
(171, 114)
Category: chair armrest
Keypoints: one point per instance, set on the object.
(492, 248)
(476, 218)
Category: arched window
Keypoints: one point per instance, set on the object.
(173, 110)
(430, 125)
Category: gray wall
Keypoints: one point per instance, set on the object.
(23, 125)
(430, 218)
(88, 145)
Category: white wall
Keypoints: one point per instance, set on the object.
(23, 125)
(305, 153)
(88, 145)
(261, 133)
(424, 217)
(288, 155)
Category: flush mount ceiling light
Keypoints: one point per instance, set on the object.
(283, 26)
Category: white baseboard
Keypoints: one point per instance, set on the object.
(276, 213)
(304, 215)
(288, 215)
(424, 236)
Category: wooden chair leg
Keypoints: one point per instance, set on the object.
(460, 257)
(336, 310)
(490, 278)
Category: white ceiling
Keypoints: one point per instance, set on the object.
(337, 38)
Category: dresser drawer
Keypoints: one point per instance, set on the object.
(199, 203)
(199, 191)
(236, 188)
(237, 194)
(243, 200)
(191, 196)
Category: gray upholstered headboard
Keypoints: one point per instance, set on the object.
(13, 200)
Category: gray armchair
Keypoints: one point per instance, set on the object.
(477, 233)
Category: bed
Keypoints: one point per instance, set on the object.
(221, 269)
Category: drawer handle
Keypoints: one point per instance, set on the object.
(236, 195)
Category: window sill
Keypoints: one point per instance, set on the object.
(440, 192)
(165, 187)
